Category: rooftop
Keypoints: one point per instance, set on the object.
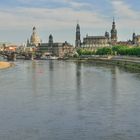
(95, 37)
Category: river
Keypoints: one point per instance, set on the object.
(59, 100)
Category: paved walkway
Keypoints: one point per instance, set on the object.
(126, 58)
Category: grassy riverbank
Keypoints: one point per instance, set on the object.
(4, 65)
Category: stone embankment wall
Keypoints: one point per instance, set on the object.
(123, 61)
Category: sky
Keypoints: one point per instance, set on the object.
(59, 18)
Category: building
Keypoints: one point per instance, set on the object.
(136, 39)
(125, 43)
(55, 48)
(61, 49)
(114, 37)
(94, 42)
(107, 35)
(78, 37)
(8, 47)
(34, 39)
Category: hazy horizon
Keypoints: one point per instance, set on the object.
(59, 18)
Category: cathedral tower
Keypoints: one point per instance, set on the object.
(78, 37)
(134, 38)
(50, 40)
(114, 33)
(107, 35)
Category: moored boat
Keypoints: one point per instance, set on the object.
(49, 58)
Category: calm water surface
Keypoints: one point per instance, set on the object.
(57, 100)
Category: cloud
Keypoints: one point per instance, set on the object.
(124, 10)
(128, 17)
(59, 21)
(62, 17)
(45, 17)
(75, 4)
(60, 3)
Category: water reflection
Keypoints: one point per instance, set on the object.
(51, 77)
(113, 97)
(78, 80)
(51, 65)
(34, 78)
(67, 100)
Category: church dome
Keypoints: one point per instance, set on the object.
(35, 39)
(50, 36)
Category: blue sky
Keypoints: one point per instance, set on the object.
(59, 17)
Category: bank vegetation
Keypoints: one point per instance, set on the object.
(127, 57)
(115, 50)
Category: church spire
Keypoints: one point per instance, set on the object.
(113, 32)
(78, 36)
(134, 38)
(113, 19)
(28, 43)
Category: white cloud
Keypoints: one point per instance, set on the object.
(64, 18)
(124, 10)
(56, 20)
(127, 19)
(75, 4)
(51, 18)
(70, 3)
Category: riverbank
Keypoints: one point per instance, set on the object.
(4, 65)
(132, 63)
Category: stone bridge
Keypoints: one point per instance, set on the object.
(12, 56)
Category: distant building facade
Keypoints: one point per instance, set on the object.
(136, 39)
(134, 42)
(96, 41)
(125, 43)
(53, 48)
(56, 49)
(8, 47)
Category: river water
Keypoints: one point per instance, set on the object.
(58, 100)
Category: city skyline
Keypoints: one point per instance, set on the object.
(60, 18)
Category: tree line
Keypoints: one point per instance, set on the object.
(115, 50)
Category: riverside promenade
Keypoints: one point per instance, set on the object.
(4, 65)
(123, 61)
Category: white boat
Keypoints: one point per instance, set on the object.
(49, 58)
